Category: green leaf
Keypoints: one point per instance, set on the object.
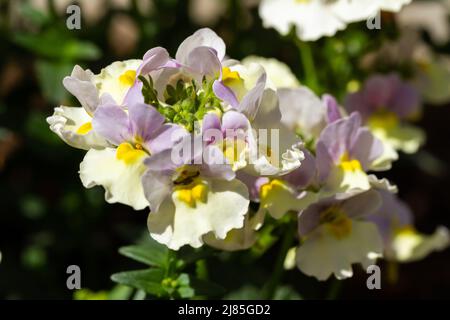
(206, 288)
(151, 253)
(50, 76)
(57, 44)
(148, 280)
(286, 293)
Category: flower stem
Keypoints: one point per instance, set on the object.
(277, 273)
(309, 69)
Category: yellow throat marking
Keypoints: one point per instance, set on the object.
(348, 164)
(191, 194)
(230, 77)
(84, 128)
(336, 222)
(129, 154)
(127, 78)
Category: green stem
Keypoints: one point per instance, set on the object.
(335, 289)
(286, 244)
(309, 69)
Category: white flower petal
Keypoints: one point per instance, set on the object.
(177, 224)
(404, 137)
(122, 182)
(109, 79)
(236, 239)
(322, 254)
(66, 122)
(409, 245)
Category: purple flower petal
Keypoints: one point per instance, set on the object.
(111, 122)
(215, 164)
(201, 38)
(153, 59)
(157, 187)
(80, 85)
(234, 120)
(253, 183)
(165, 138)
(224, 93)
(366, 148)
(362, 204)
(134, 94)
(305, 174)
(144, 120)
(338, 137)
(203, 62)
(332, 108)
(406, 101)
(252, 100)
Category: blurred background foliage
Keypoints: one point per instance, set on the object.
(48, 221)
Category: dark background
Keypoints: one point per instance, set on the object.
(49, 221)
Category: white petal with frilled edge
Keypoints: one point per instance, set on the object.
(177, 224)
(409, 245)
(384, 162)
(237, 239)
(73, 126)
(322, 254)
(117, 78)
(121, 180)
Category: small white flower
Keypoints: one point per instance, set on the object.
(314, 19)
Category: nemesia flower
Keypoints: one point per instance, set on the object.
(402, 242)
(193, 194)
(345, 151)
(134, 136)
(287, 193)
(314, 19)
(335, 234)
(271, 148)
(385, 104)
(74, 124)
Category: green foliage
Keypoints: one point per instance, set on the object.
(165, 277)
(184, 103)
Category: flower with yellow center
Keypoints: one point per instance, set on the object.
(335, 235)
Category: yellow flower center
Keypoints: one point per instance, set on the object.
(231, 78)
(191, 194)
(348, 164)
(84, 128)
(383, 120)
(127, 78)
(275, 185)
(129, 154)
(336, 222)
(407, 230)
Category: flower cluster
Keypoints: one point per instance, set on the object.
(199, 137)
